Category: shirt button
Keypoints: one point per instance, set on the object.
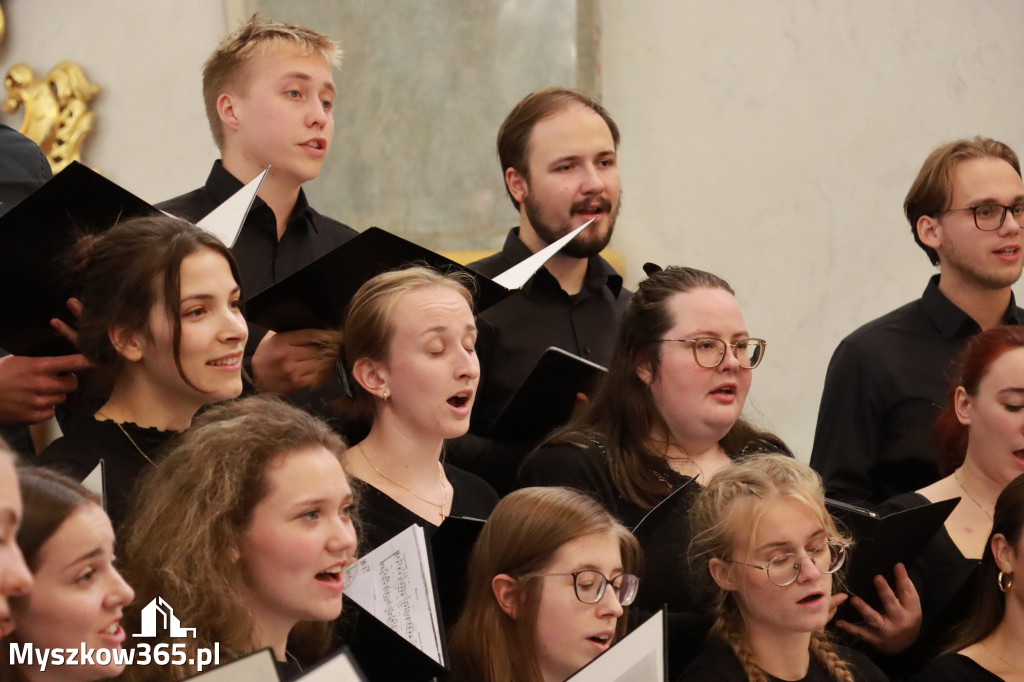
(586, 350)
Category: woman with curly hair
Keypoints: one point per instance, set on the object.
(765, 549)
(244, 531)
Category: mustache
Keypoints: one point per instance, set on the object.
(604, 204)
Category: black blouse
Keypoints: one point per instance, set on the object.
(717, 663)
(955, 668)
(78, 453)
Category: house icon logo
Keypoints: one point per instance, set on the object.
(160, 610)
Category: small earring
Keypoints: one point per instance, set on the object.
(1009, 581)
(385, 397)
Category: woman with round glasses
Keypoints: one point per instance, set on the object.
(765, 550)
(548, 579)
(980, 441)
(988, 647)
(666, 416)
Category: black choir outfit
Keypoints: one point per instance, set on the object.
(886, 384)
(514, 333)
(717, 663)
(78, 453)
(955, 668)
(380, 519)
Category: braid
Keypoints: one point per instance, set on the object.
(726, 628)
(822, 649)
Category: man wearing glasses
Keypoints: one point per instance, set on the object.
(887, 381)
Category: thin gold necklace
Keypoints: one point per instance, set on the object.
(956, 477)
(130, 439)
(440, 480)
(991, 651)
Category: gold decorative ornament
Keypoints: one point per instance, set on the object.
(1004, 587)
(56, 112)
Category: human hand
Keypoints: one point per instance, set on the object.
(62, 327)
(898, 626)
(287, 362)
(31, 387)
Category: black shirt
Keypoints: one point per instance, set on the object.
(717, 663)
(955, 668)
(262, 258)
(514, 333)
(78, 453)
(886, 384)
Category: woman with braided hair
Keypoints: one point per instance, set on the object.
(766, 549)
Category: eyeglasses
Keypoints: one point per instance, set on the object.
(828, 557)
(709, 351)
(590, 584)
(990, 217)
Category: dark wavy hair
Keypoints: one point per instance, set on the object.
(622, 416)
(120, 274)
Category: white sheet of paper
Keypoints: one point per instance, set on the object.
(637, 657)
(226, 220)
(94, 482)
(338, 668)
(393, 583)
(520, 273)
(257, 667)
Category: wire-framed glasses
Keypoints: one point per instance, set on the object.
(990, 217)
(828, 557)
(590, 585)
(709, 351)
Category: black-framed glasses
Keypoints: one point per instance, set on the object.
(709, 351)
(783, 570)
(590, 585)
(990, 217)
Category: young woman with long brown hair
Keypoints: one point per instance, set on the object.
(548, 580)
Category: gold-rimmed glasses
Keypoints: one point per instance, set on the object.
(783, 570)
(709, 351)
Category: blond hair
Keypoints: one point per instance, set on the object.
(369, 326)
(228, 66)
(736, 497)
(520, 538)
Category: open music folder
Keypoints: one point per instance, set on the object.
(395, 585)
(880, 542)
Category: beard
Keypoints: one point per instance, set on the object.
(587, 243)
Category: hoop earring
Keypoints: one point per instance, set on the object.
(385, 397)
(1009, 581)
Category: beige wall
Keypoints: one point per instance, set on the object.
(770, 142)
(773, 142)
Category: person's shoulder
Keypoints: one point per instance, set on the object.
(471, 487)
(954, 668)
(191, 206)
(715, 663)
(490, 266)
(862, 667)
(881, 328)
(556, 459)
(327, 223)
